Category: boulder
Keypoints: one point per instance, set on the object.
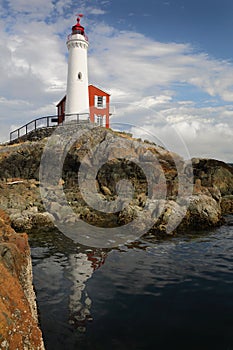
(214, 173)
(227, 204)
(203, 212)
(29, 220)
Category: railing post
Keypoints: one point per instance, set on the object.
(47, 122)
(35, 124)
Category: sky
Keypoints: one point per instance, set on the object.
(168, 65)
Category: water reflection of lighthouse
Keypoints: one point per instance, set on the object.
(82, 266)
(82, 100)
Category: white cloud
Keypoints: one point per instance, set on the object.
(32, 68)
(141, 74)
(38, 9)
(187, 130)
(95, 11)
(137, 62)
(191, 139)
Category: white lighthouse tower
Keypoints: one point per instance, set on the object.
(77, 98)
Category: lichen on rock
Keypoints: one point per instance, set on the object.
(18, 312)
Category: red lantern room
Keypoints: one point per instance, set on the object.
(77, 28)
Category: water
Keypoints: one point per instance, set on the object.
(173, 294)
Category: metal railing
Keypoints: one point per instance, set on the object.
(69, 37)
(47, 122)
(77, 118)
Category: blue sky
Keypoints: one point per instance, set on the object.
(167, 64)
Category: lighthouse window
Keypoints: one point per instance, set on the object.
(79, 76)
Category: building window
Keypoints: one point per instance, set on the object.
(100, 101)
(99, 120)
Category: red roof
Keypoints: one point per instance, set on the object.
(99, 89)
(64, 98)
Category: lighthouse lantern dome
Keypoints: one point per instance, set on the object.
(77, 28)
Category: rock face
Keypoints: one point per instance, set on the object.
(227, 204)
(18, 314)
(161, 183)
(21, 160)
(215, 175)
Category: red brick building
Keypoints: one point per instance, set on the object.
(99, 102)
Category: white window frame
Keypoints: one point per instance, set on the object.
(99, 120)
(100, 102)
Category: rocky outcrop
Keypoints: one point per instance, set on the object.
(35, 135)
(18, 313)
(21, 160)
(160, 180)
(214, 175)
(227, 204)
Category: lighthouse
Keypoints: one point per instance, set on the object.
(77, 96)
(82, 101)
